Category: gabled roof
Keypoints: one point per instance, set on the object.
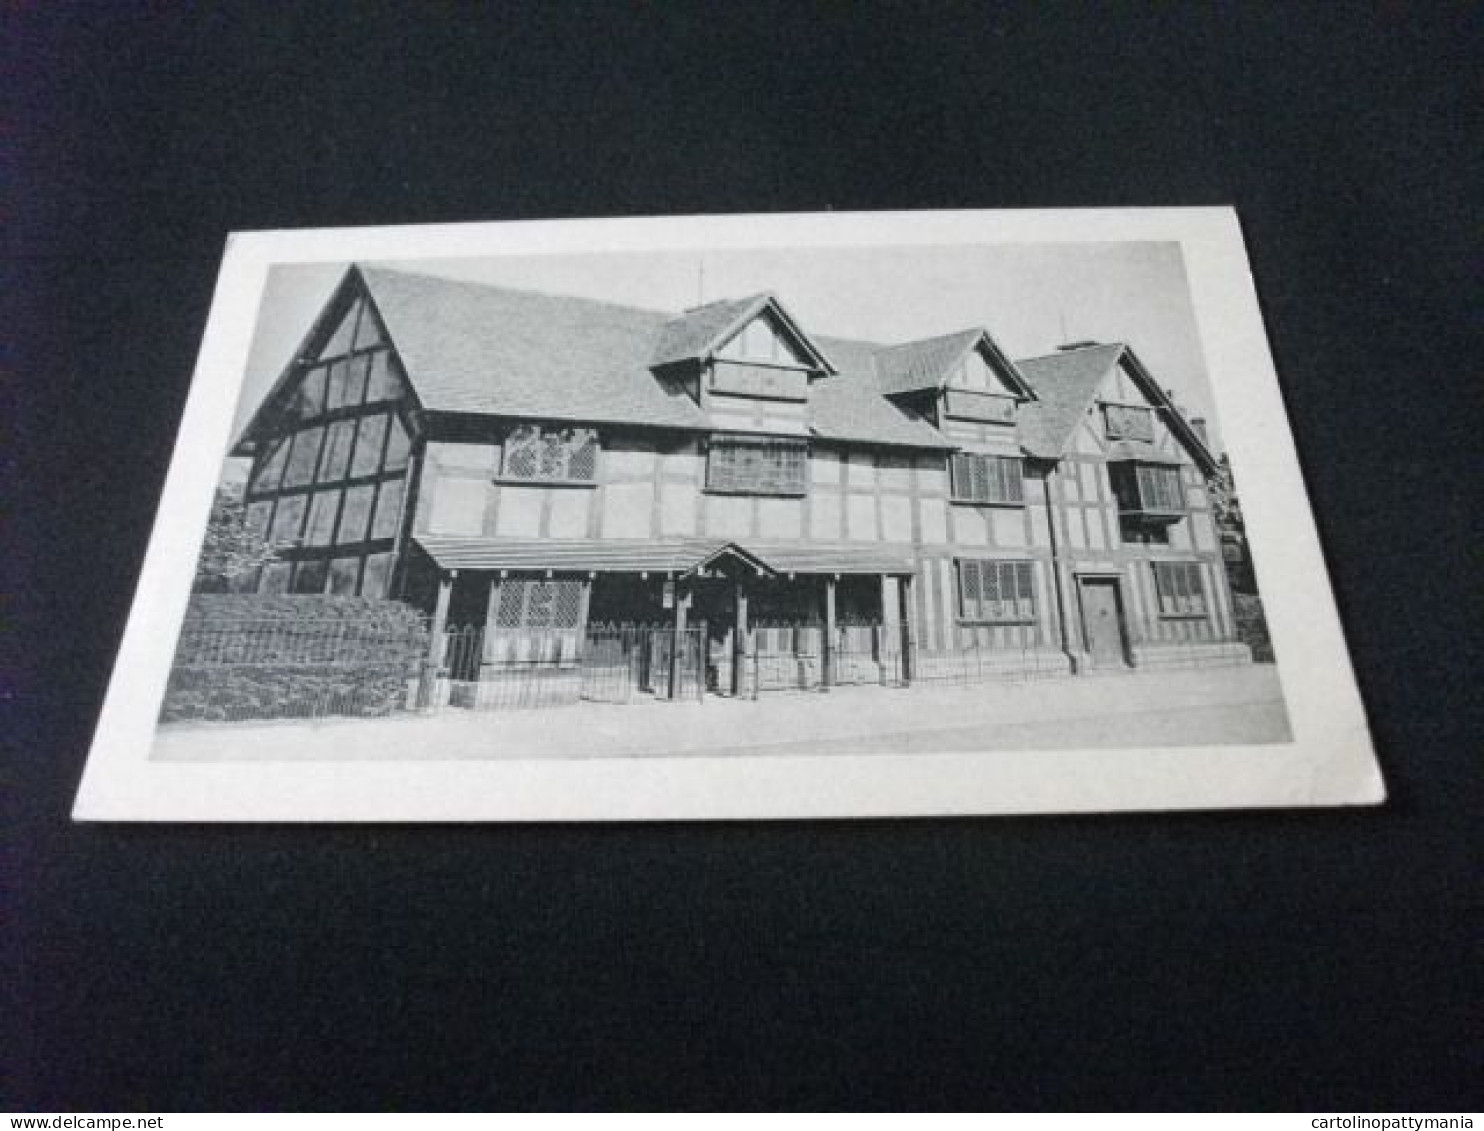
(472, 348)
(930, 362)
(698, 333)
(1066, 383)
(849, 408)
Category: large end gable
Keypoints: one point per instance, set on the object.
(1068, 381)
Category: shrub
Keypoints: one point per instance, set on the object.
(262, 657)
(1252, 626)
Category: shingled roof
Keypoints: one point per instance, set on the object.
(848, 408)
(472, 348)
(1065, 383)
(475, 348)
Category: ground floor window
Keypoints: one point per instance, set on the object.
(1180, 589)
(996, 592)
(539, 604)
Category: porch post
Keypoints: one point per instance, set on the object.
(908, 619)
(739, 641)
(440, 616)
(677, 639)
(828, 651)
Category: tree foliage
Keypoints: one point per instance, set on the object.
(232, 550)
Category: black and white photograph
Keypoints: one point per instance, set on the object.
(724, 503)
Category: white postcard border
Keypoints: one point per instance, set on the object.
(1329, 762)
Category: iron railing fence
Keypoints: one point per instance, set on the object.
(486, 669)
(970, 655)
(230, 670)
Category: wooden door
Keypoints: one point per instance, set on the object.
(1102, 622)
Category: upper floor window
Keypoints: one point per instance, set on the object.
(1128, 422)
(998, 592)
(1180, 589)
(542, 454)
(757, 466)
(987, 479)
(1152, 490)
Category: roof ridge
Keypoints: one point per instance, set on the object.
(1074, 349)
(968, 331)
(501, 288)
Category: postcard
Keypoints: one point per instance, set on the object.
(813, 515)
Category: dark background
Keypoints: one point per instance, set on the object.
(1325, 960)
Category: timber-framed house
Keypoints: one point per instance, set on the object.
(536, 465)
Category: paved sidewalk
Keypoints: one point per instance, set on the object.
(1215, 706)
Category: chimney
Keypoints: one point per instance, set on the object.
(1199, 424)
(1077, 345)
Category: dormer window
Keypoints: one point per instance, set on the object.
(548, 454)
(760, 362)
(1128, 422)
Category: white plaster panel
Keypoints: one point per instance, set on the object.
(1076, 537)
(520, 512)
(860, 515)
(458, 506)
(1008, 526)
(681, 465)
(569, 513)
(969, 527)
(1040, 528)
(729, 516)
(824, 517)
(1180, 535)
(626, 510)
(469, 457)
(862, 470)
(896, 518)
(1087, 473)
(1095, 536)
(933, 515)
(678, 510)
(895, 479)
(932, 479)
(782, 518)
(824, 467)
(626, 464)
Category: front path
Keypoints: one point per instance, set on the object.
(1214, 706)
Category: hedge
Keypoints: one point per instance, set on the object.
(243, 656)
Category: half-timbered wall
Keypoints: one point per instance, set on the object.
(1095, 540)
(328, 481)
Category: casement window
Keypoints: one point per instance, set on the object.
(1147, 488)
(996, 592)
(1179, 588)
(544, 454)
(1128, 422)
(757, 466)
(538, 604)
(987, 479)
